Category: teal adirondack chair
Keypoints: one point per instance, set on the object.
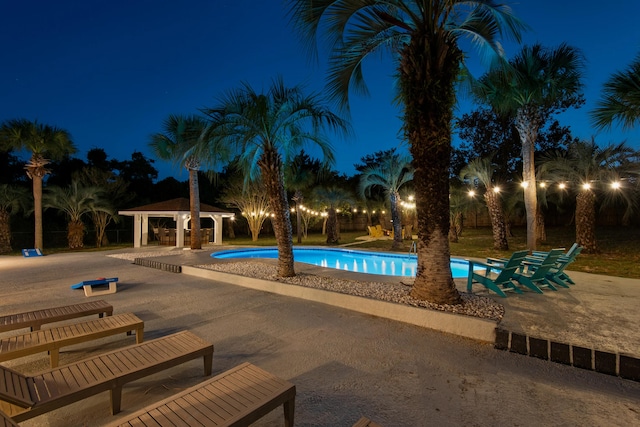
(571, 252)
(556, 273)
(496, 277)
(533, 275)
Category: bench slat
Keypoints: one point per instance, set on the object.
(237, 397)
(15, 387)
(5, 421)
(53, 339)
(35, 319)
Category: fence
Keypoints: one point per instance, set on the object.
(58, 239)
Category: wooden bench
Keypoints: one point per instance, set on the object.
(53, 339)
(366, 422)
(23, 397)
(5, 421)
(237, 397)
(35, 319)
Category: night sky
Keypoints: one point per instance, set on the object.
(109, 72)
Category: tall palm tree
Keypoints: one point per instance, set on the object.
(390, 175)
(333, 198)
(269, 129)
(536, 83)
(621, 99)
(184, 141)
(75, 202)
(13, 199)
(45, 143)
(480, 172)
(592, 169)
(423, 38)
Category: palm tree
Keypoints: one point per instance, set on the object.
(45, 143)
(535, 84)
(76, 201)
(115, 191)
(269, 129)
(621, 101)
(12, 199)
(593, 169)
(184, 141)
(423, 38)
(298, 178)
(480, 172)
(390, 175)
(461, 203)
(252, 202)
(333, 198)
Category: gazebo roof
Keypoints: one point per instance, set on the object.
(179, 205)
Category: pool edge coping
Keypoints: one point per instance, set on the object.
(453, 259)
(456, 324)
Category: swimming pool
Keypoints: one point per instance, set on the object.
(383, 263)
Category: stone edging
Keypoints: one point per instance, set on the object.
(158, 265)
(457, 324)
(616, 364)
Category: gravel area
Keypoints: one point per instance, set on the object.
(130, 256)
(473, 305)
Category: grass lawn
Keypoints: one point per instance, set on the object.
(619, 247)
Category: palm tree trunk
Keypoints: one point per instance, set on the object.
(540, 228)
(455, 228)
(100, 222)
(194, 206)
(75, 234)
(453, 233)
(297, 197)
(332, 227)
(5, 232)
(497, 221)
(270, 165)
(37, 209)
(254, 228)
(230, 230)
(586, 221)
(527, 127)
(427, 116)
(397, 222)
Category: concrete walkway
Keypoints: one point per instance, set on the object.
(344, 364)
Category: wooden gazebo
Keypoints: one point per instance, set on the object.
(180, 212)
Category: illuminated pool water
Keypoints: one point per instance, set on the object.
(383, 263)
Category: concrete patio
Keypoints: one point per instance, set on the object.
(346, 364)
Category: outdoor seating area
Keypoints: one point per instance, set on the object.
(23, 397)
(533, 271)
(377, 232)
(239, 396)
(167, 236)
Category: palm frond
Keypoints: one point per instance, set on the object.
(621, 99)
